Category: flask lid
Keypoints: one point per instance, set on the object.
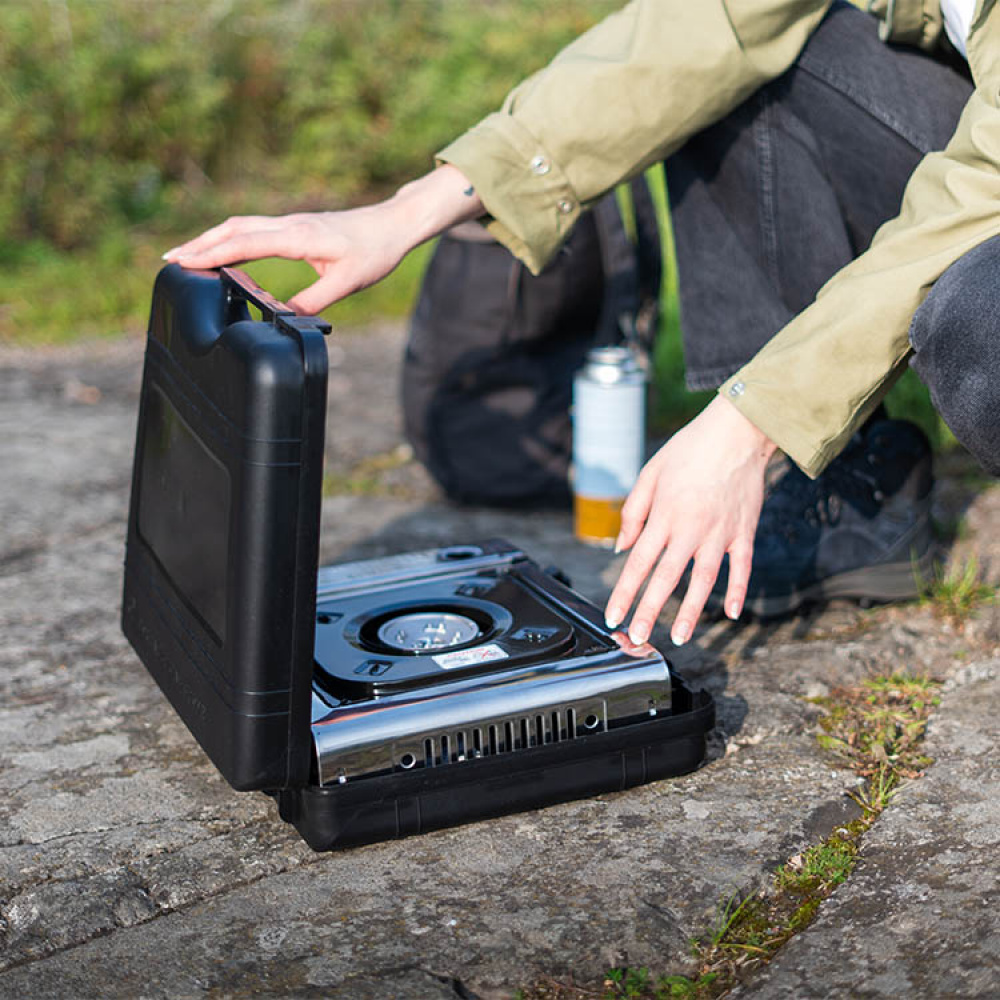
(612, 364)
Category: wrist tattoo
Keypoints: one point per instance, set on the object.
(469, 191)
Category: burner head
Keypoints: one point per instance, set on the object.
(428, 630)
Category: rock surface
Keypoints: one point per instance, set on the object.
(918, 918)
(128, 868)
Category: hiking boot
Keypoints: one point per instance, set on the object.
(861, 530)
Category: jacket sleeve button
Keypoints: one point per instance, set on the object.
(540, 165)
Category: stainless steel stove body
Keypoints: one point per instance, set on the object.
(453, 655)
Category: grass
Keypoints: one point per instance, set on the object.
(876, 729)
(53, 297)
(956, 591)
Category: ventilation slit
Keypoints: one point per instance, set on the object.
(460, 741)
(571, 724)
(556, 728)
(508, 729)
(445, 749)
(493, 739)
(525, 735)
(428, 753)
(541, 737)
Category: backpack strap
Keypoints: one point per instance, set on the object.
(621, 280)
(649, 258)
(632, 268)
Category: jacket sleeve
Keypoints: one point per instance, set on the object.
(622, 96)
(811, 386)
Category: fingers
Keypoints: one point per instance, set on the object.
(698, 498)
(246, 246)
(233, 226)
(662, 582)
(636, 509)
(634, 514)
(347, 250)
(641, 560)
(703, 575)
(327, 290)
(241, 238)
(740, 561)
(661, 585)
(667, 574)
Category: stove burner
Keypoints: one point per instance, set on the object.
(428, 630)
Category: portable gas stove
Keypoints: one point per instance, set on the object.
(372, 699)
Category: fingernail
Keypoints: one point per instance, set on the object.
(618, 544)
(733, 610)
(680, 634)
(639, 633)
(169, 253)
(613, 619)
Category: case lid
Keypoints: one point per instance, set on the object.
(223, 532)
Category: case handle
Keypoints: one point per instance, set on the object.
(240, 283)
(274, 311)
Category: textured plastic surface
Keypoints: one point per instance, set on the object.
(400, 805)
(223, 531)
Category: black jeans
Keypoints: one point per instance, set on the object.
(773, 200)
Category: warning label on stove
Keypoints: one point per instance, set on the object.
(468, 657)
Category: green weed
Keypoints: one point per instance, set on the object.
(877, 728)
(638, 984)
(820, 866)
(956, 592)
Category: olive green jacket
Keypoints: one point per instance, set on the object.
(635, 87)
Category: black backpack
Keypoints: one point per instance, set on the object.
(488, 371)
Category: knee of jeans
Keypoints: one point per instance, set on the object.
(961, 314)
(966, 396)
(972, 417)
(955, 336)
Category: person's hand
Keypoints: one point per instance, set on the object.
(349, 250)
(698, 497)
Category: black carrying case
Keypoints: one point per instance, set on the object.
(221, 572)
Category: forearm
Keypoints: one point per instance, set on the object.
(433, 203)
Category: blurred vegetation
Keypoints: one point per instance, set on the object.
(128, 125)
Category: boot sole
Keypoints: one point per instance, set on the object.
(898, 581)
